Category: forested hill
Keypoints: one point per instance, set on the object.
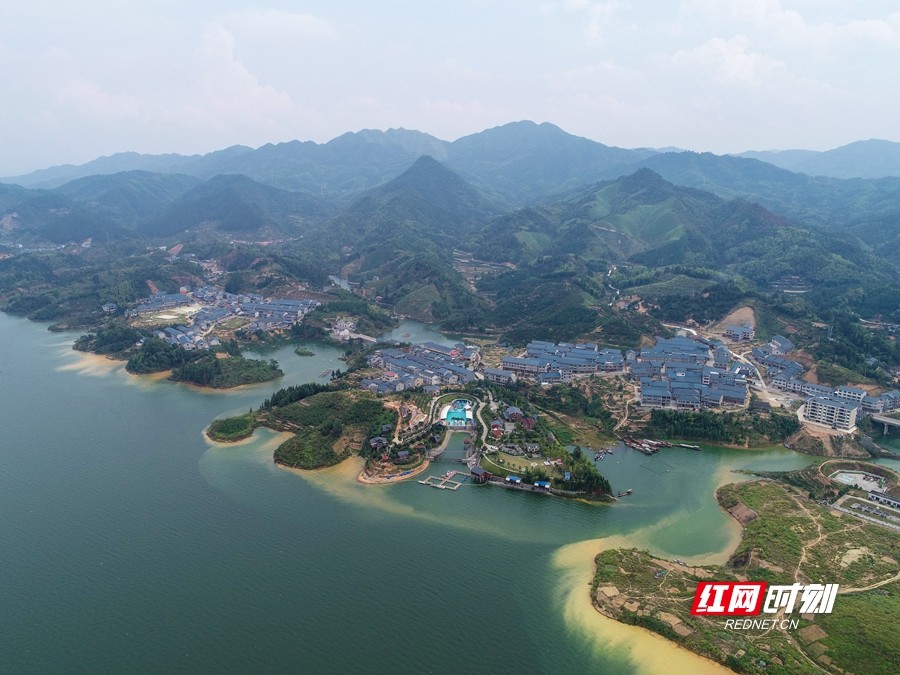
(426, 203)
(647, 220)
(239, 204)
(398, 239)
(688, 253)
(822, 202)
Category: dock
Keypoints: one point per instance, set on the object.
(444, 482)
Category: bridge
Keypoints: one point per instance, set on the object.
(886, 421)
(364, 338)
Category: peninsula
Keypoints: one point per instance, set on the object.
(844, 538)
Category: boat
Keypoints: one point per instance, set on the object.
(625, 494)
(691, 447)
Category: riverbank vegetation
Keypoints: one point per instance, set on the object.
(746, 428)
(234, 371)
(113, 339)
(328, 427)
(156, 356)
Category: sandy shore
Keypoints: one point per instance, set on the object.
(270, 445)
(646, 651)
(383, 480)
(573, 566)
(219, 391)
(95, 365)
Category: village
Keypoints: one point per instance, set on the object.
(685, 372)
(206, 308)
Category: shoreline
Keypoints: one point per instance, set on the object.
(646, 651)
(649, 651)
(90, 363)
(366, 480)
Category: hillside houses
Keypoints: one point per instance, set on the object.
(188, 338)
(832, 411)
(499, 376)
(741, 333)
(839, 408)
(218, 305)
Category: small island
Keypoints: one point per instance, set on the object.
(232, 429)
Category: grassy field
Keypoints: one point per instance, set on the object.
(787, 538)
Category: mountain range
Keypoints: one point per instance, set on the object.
(390, 208)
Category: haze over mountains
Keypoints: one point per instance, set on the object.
(391, 207)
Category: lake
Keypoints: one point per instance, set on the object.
(130, 543)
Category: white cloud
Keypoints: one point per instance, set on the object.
(774, 23)
(728, 62)
(90, 100)
(279, 24)
(226, 96)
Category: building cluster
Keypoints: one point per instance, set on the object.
(187, 337)
(884, 498)
(687, 374)
(513, 416)
(343, 329)
(159, 302)
(549, 363)
(266, 314)
(681, 372)
(741, 333)
(838, 408)
(428, 365)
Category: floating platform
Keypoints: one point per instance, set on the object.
(444, 482)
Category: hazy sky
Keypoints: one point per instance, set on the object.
(94, 77)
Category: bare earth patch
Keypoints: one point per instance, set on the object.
(670, 619)
(853, 555)
(739, 317)
(742, 513)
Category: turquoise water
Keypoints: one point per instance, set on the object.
(456, 414)
(129, 543)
